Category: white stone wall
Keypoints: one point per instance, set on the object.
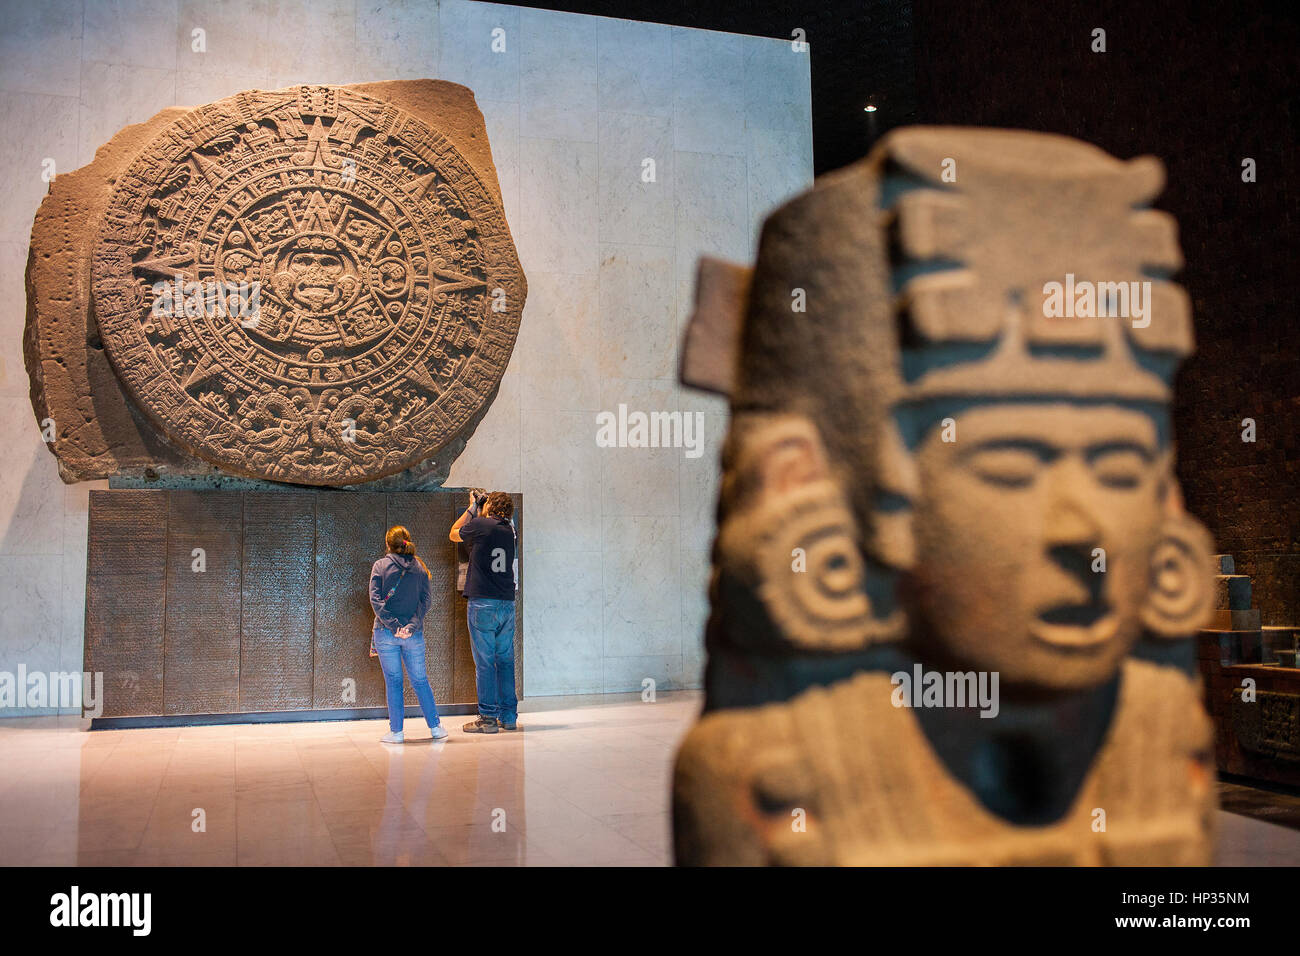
(617, 539)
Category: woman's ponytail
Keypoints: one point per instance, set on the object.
(399, 541)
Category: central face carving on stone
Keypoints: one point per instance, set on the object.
(1012, 521)
(318, 275)
(384, 286)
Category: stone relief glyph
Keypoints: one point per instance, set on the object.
(312, 285)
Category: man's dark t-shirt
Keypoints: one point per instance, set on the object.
(491, 543)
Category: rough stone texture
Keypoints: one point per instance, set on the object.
(888, 799)
(390, 293)
(918, 471)
(1259, 738)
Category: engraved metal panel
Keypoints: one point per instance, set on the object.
(279, 616)
(463, 686)
(126, 570)
(349, 538)
(1268, 725)
(201, 638)
(519, 596)
(279, 590)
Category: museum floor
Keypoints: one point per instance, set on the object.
(585, 782)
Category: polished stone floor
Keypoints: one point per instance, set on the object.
(585, 782)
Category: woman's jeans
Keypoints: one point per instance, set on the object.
(492, 639)
(393, 653)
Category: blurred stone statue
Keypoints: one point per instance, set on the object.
(953, 588)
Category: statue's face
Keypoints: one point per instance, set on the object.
(1008, 525)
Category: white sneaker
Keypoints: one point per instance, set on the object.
(392, 738)
(439, 732)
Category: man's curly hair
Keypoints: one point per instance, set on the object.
(499, 505)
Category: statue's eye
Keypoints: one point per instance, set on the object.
(1119, 467)
(1013, 466)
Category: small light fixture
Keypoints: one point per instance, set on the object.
(869, 108)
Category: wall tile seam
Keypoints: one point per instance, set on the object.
(552, 139)
(639, 245)
(635, 114)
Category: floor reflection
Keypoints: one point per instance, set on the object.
(585, 782)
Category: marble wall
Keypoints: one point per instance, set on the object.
(618, 537)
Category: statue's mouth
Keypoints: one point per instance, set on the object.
(1076, 625)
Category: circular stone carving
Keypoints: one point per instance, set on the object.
(380, 287)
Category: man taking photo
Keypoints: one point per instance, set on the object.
(487, 533)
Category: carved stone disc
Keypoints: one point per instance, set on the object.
(386, 287)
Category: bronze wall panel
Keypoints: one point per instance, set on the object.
(126, 567)
(201, 636)
(463, 657)
(280, 616)
(519, 596)
(349, 539)
(279, 589)
(427, 517)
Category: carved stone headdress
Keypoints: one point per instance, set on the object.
(975, 257)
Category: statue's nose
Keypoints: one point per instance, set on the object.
(1071, 534)
(1069, 525)
(1069, 521)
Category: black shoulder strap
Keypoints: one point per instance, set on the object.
(393, 589)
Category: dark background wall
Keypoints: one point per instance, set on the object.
(1201, 84)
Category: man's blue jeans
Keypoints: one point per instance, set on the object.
(393, 653)
(492, 639)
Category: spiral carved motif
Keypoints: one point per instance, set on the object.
(385, 289)
(1181, 591)
(813, 574)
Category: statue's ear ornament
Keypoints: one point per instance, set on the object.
(813, 575)
(793, 540)
(1181, 591)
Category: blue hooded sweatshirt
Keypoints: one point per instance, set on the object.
(409, 603)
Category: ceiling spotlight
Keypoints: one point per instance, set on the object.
(869, 108)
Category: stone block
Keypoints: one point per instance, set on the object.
(1232, 592)
(1235, 620)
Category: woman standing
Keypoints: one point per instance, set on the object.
(399, 596)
